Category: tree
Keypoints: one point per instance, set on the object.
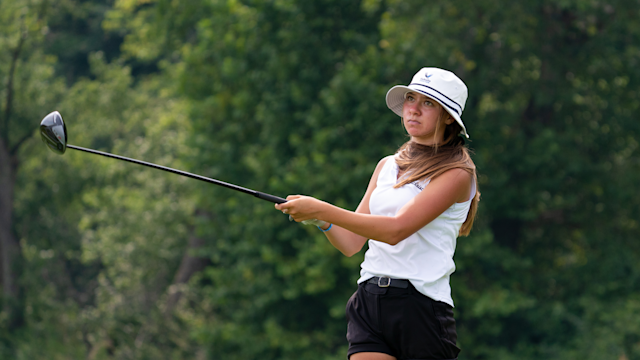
(28, 85)
(550, 115)
(251, 72)
(280, 91)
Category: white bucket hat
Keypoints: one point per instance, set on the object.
(441, 85)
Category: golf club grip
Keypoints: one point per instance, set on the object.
(269, 197)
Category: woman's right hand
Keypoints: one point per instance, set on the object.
(302, 208)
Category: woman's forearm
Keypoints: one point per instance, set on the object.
(362, 226)
(344, 240)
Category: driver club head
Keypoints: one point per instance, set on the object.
(54, 132)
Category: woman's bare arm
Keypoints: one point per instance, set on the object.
(442, 192)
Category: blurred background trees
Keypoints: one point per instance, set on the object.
(103, 259)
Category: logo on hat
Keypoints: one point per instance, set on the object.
(426, 78)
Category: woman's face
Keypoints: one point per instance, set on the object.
(420, 116)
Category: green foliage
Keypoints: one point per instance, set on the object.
(549, 126)
(74, 30)
(109, 235)
(26, 72)
(27, 83)
(252, 93)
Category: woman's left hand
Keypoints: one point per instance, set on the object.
(300, 207)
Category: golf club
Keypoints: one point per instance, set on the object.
(54, 134)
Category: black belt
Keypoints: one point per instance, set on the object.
(387, 281)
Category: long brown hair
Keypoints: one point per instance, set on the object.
(421, 162)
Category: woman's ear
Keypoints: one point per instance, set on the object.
(449, 120)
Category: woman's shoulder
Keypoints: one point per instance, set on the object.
(381, 165)
(385, 160)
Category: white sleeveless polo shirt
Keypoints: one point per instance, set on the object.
(426, 257)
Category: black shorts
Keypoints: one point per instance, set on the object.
(400, 322)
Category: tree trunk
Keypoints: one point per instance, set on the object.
(9, 247)
(188, 267)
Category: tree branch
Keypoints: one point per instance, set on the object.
(190, 265)
(15, 147)
(9, 98)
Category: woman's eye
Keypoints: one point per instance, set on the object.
(428, 103)
(410, 98)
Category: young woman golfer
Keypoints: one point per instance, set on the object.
(417, 203)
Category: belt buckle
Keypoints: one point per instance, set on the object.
(380, 284)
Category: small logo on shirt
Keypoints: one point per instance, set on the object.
(417, 184)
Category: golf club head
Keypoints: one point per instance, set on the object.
(54, 132)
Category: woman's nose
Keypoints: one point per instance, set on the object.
(413, 108)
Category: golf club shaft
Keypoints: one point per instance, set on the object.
(258, 194)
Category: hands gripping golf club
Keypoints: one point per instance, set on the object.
(54, 134)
